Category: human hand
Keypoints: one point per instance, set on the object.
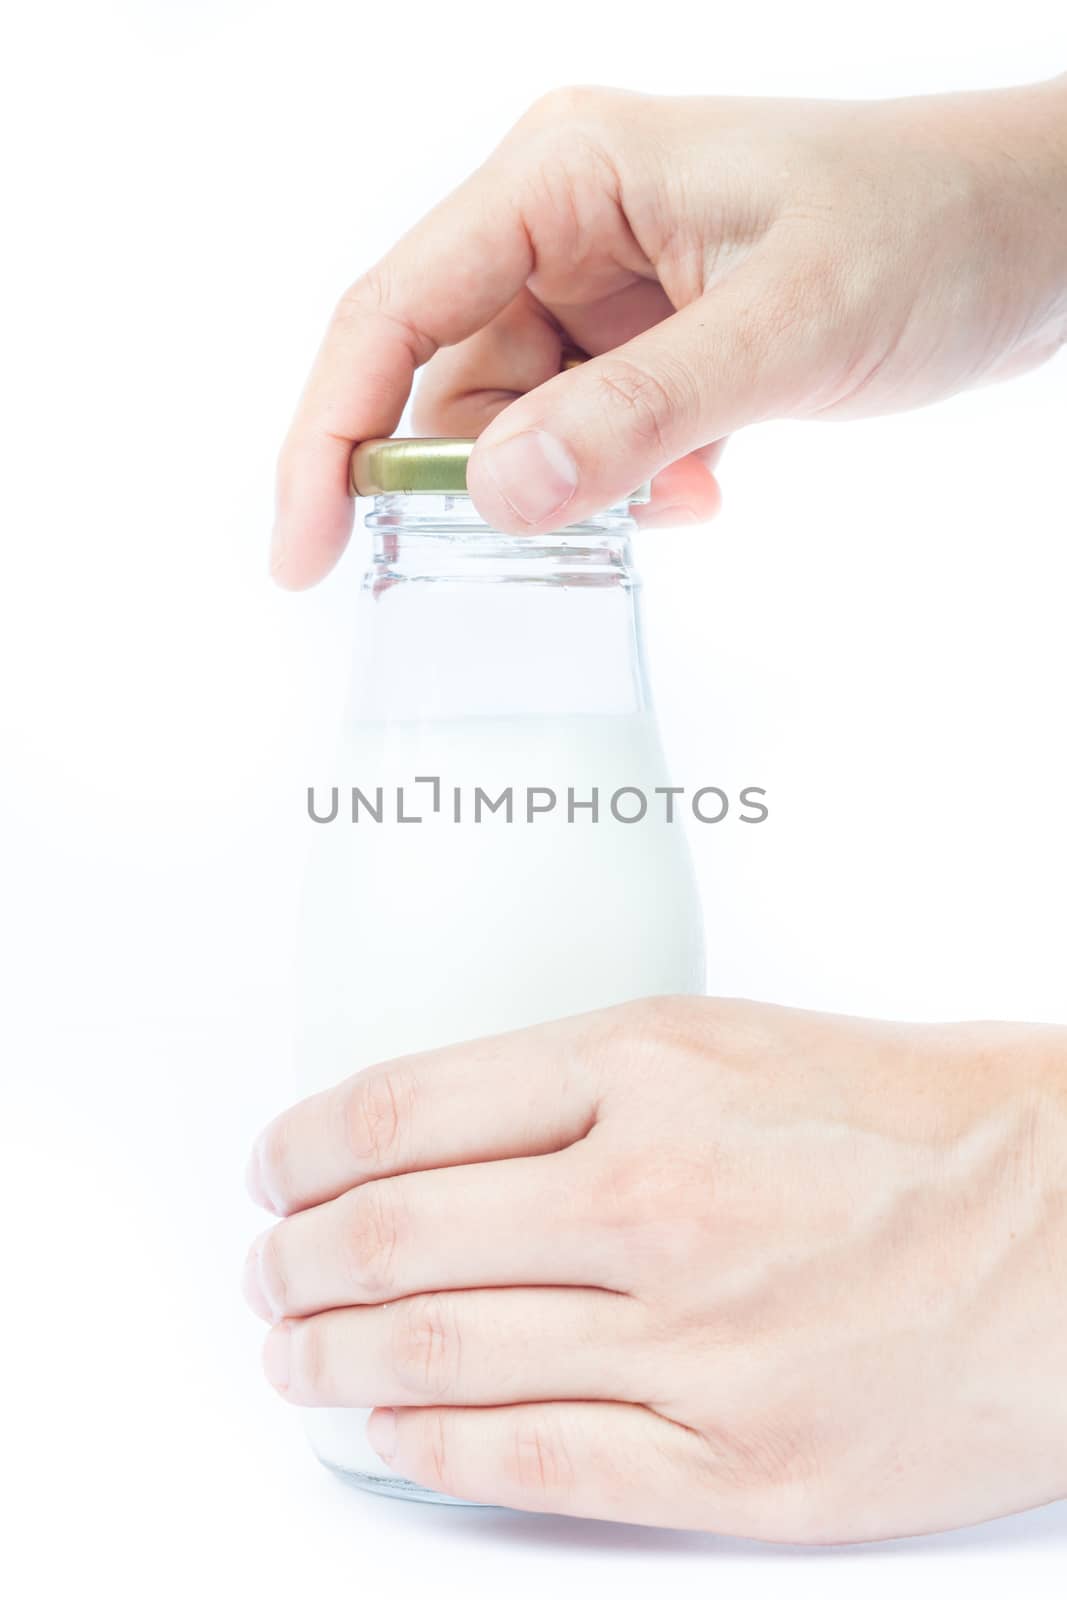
(725, 261)
(693, 1263)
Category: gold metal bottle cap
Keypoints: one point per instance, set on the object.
(422, 466)
(410, 466)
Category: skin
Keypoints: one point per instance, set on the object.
(690, 1262)
(724, 261)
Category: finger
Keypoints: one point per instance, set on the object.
(483, 1347)
(585, 439)
(581, 1458)
(712, 454)
(685, 492)
(523, 1093)
(454, 271)
(464, 386)
(529, 1221)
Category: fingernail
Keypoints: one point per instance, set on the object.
(254, 1181)
(381, 1433)
(259, 1290)
(276, 1356)
(534, 473)
(252, 1284)
(278, 543)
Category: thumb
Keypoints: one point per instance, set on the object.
(748, 349)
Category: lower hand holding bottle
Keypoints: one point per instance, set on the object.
(689, 1262)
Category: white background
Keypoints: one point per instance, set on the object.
(873, 630)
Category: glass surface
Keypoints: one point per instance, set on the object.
(494, 665)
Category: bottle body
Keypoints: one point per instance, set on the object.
(499, 852)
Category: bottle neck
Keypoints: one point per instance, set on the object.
(458, 620)
(441, 538)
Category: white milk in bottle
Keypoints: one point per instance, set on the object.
(494, 846)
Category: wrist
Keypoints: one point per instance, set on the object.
(1019, 140)
(1018, 1074)
(1050, 1102)
(1050, 1161)
(1020, 1207)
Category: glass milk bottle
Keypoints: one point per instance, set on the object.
(490, 850)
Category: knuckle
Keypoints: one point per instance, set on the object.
(623, 1043)
(308, 1364)
(374, 1116)
(425, 1346)
(274, 1270)
(758, 1454)
(541, 1466)
(366, 297)
(680, 1031)
(569, 106)
(436, 1467)
(648, 402)
(374, 1237)
(772, 1472)
(374, 295)
(660, 1197)
(642, 1033)
(659, 1019)
(276, 1164)
(658, 1210)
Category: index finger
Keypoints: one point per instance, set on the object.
(528, 1093)
(445, 279)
